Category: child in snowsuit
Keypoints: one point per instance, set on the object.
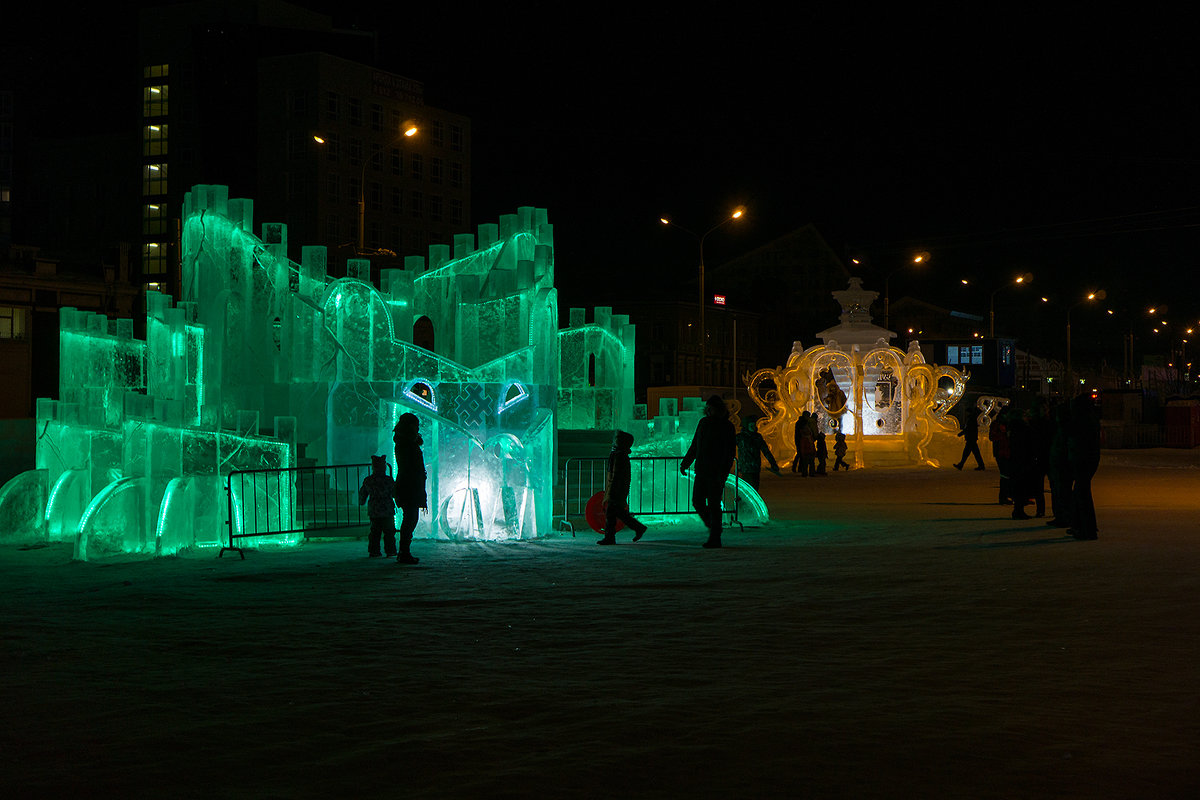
(822, 454)
(617, 478)
(839, 450)
(376, 491)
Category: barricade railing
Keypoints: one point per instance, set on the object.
(271, 502)
(656, 489)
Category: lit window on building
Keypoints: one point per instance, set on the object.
(154, 179)
(155, 71)
(154, 140)
(154, 218)
(154, 258)
(12, 323)
(154, 100)
(156, 286)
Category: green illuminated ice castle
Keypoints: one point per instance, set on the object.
(264, 354)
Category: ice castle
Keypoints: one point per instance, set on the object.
(264, 357)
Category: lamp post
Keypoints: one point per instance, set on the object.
(1099, 294)
(410, 129)
(1021, 280)
(915, 260)
(737, 213)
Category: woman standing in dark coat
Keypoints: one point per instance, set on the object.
(410, 481)
(1059, 470)
(1083, 454)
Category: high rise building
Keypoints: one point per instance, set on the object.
(281, 106)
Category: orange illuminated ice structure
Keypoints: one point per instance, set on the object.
(892, 407)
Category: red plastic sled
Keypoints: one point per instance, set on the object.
(594, 513)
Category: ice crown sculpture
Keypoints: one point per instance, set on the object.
(892, 407)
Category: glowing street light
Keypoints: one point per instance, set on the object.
(916, 260)
(1021, 280)
(1099, 294)
(409, 129)
(737, 213)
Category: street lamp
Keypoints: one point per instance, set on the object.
(409, 130)
(737, 213)
(1020, 280)
(916, 260)
(1099, 294)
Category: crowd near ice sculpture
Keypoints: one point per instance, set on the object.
(891, 405)
(133, 455)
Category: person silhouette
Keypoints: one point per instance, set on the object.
(1083, 455)
(839, 450)
(970, 434)
(617, 479)
(377, 492)
(751, 447)
(712, 450)
(410, 481)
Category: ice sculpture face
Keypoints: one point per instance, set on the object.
(485, 447)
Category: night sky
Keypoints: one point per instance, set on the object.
(1066, 147)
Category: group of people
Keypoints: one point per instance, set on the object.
(1060, 445)
(383, 494)
(713, 449)
(812, 451)
(1029, 446)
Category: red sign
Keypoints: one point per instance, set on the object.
(719, 299)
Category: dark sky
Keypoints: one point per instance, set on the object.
(999, 143)
(1069, 148)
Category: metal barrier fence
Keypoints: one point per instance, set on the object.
(270, 502)
(656, 489)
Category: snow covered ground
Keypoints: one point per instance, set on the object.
(891, 633)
